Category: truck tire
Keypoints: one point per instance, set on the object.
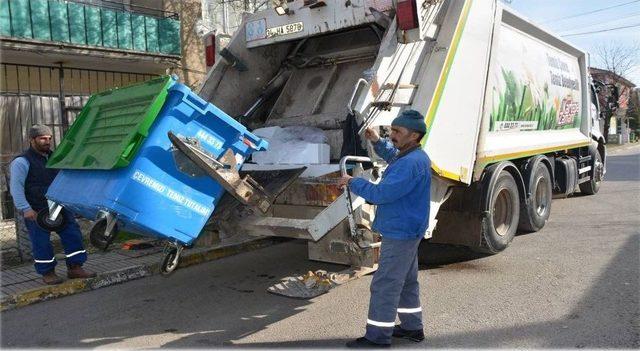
(592, 186)
(500, 224)
(535, 212)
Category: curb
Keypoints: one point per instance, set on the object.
(75, 286)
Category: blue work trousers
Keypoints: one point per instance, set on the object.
(395, 290)
(42, 250)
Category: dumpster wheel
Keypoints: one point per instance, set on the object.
(170, 260)
(47, 224)
(98, 235)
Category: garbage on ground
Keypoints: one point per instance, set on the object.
(317, 283)
(307, 286)
(293, 145)
(319, 280)
(137, 244)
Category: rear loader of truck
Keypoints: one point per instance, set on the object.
(509, 109)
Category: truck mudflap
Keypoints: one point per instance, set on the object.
(259, 192)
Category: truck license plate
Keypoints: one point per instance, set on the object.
(285, 29)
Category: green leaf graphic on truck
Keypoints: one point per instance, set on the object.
(536, 86)
(517, 107)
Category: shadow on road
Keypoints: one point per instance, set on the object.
(189, 304)
(607, 316)
(604, 318)
(330, 344)
(436, 255)
(189, 308)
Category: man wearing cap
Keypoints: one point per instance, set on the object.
(30, 180)
(402, 217)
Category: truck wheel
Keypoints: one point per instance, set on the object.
(592, 186)
(535, 212)
(501, 223)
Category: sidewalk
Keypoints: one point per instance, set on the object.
(617, 148)
(21, 286)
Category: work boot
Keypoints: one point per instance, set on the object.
(51, 278)
(413, 335)
(76, 271)
(364, 343)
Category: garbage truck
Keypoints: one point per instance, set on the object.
(512, 115)
(511, 111)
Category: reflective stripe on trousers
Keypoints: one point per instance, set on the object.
(42, 250)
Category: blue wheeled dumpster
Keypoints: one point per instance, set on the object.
(117, 159)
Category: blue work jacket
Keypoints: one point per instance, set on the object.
(403, 194)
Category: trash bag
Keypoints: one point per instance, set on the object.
(351, 141)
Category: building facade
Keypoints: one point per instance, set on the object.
(618, 131)
(54, 54)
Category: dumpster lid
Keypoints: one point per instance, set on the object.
(111, 127)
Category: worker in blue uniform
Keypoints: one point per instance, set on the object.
(402, 217)
(29, 182)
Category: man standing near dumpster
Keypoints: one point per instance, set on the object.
(402, 217)
(30, 180)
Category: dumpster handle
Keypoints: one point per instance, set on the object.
(195, 104)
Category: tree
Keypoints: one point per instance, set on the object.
(617, 57)
(620, 59)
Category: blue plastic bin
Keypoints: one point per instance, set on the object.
(152, 196)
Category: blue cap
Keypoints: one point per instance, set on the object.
(412, 120)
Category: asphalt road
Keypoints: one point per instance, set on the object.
(574, 284)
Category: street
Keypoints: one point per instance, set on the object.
(574, 284)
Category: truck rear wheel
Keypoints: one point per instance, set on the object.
(535, 212)
(501, 223)
(592, 186)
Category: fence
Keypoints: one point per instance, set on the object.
(52, 96)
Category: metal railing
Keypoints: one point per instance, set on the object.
(122, 6)
(126, 27)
